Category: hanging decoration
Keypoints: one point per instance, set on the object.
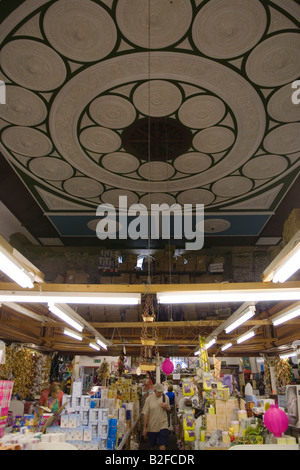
(148, 336)
(276, 420)
(28, 368)
(167, 366)
(204, 365)
(283, 374)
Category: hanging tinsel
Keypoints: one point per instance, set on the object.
(27, 368)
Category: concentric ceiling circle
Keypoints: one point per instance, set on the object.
(169, 21)
(229, 29)
(81, 31)
(196, 196)
(193, 162)
(112, 111)
(156, 171)
(265, 166)
(120, 162)
(83, 187)
(201, 111)
(33, 65)
(157, 98)
(99, 139)
(213, 139)
(27, 141)
(283, 139)
(275, 61)
(23, 107)
(232, 186)
(51, 168)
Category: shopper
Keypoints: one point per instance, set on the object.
(43, 401)
(53, 403)
(171, 414)
(156, 419)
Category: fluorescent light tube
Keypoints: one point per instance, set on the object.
(208, 345)
(234, 295)
(103, 345)
(94, 346)
(246, 315)
(15, 270)
(226, 346)
(246, 336)
(287, 355)
(72, 334)
(60, 312)
(289, 266)
(196, 353)
(90, 298)
(286, 316)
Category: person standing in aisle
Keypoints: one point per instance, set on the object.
(156, 419)
(171, 414)
(43, 401)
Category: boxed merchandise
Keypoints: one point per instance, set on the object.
(211, 422)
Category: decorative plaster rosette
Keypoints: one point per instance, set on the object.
(81, 74)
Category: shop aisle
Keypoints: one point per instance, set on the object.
(144, 445)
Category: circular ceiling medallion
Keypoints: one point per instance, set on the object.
(213, 139)
(112, 111)
(281, 108)
(275, 61)
(100, 139)
(27, 141)
(192, 162)
(216, 225)
(112, 197)
(81, 186)
(51, 168)
(157, 198)
(120, 162)
(157, 98)
(283, 139)
(156, 139)
(265, 166)
(229, 29)
(196, 196)
(81, 31)
(201, 111)
(168, 20)
(232, 186)
(23, 107)
(156, 171)
(33, 65)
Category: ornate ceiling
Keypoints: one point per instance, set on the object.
(172, 101)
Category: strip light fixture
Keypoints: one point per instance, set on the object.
(289, 266)
(13, 269)
(65, 313)
(286, 263)
(101, 344)
(245, 336)
(287, 315)
(226, 293)
(94, 346)
(72, 334)
(248, 313)
(89, 298)
(226, 346)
